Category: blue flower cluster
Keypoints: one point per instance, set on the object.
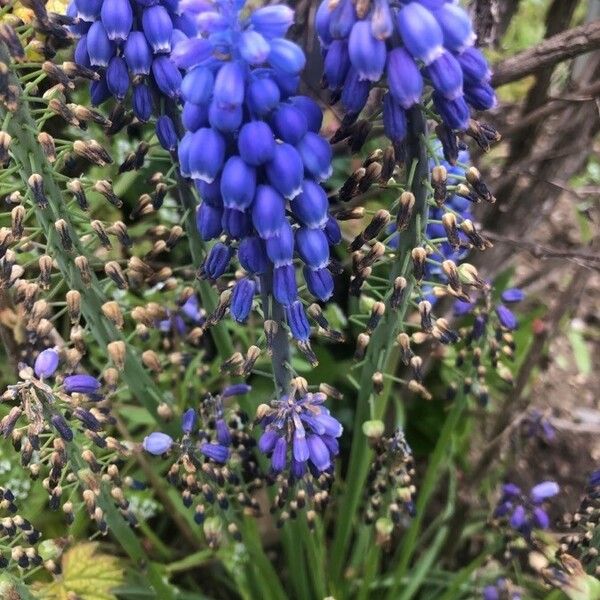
(299, 433)
(253, 148)
(505, 315)
(129, 43)
(411, 42)
(525, 511)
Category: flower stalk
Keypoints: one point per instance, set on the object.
(381, 354)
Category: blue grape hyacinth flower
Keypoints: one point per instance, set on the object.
(129, 43)
(299, 434)
(252, 147)
(525, 512)
(412, 43)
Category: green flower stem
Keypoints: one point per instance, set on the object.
(380, 351)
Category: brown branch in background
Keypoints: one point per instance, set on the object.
(558, 48)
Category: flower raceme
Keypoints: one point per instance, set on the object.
(410, 43)
(252, 147)
(128, 42)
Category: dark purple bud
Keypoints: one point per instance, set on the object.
(300, 446)
(81, 384)
(252, 255)
(319, 453)
(236, 223)
(117, 77)
(481, 96)
(506, 317)
(336, 64)
(474, 66)
(279, 457)
(297, 321)
(513, 295)
(518, 517)
(236, 389)
(223, 433)
(455, 113)
(355, 93)
(142, 102)
(541, 518)
(81, 56)
(59, 423)
(342, 19)
(208, 221)
(319, 283)
(46, 363)
(285, 290)
(88, 10)
(217, 261)
(394, 119)
(272, 21)
(215, 452)
(189, 420)
(241, 299)
(166, 134)
(262, 96)
(267, 441)
(157, 443)
(333, 231)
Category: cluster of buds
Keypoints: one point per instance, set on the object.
(18, 537)
(582, 540)
(390, 492)
(214, 462)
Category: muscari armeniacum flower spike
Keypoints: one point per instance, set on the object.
(252, 146)
(418, 42)
(128, 42)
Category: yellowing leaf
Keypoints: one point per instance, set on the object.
(57, 6)
(86, 575)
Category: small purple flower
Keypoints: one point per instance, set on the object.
(189, 420)
(81, 384)
(506, 317)
(215, 452)
(157, 443)
(46, 363)
(543, 491)
(513, 295)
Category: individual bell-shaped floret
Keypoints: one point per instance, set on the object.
(166, 76)
(158, 28)
(316, 155)
(456, 27)
(280, 247)
(117, 18)
(272, 21)
(367, 53)
(100, 49)
(446, 75)
(268, 211)
(238, 183)
(206, 154)
(197, 85)
(336, 64)
(241, 299)
(117, 77)
(313, 247)
(319, 282)
(137, 53)
(262, 96)
(217, 261)
(208, 221)
(285, 170)
(256, 143)
(253, 256)
(420, 31)
(286, 57)
(289, 123)
(404, 78)
(285, 289)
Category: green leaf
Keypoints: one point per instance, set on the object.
(86, 574)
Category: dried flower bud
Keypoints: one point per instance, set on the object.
(17, 217)
(425, 312)
(74, 305)
(419, 256)
(64, 235)
(439, 182)
(117, 352)
(114, 271)
(75, 187)
(252, 356)
(46, 141)
(377, 380)
(362, 341)
(36, 186)
(5, 140)
(119, 229)
(405, 351)
(377, 311)
(474, 178)
(418, 388)
(81, 262)
(92, 151)
(112, 312)
(449, 223)
(174, 236)
(406, 203)
(105, 188)
(398, 293)
(152, 361)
